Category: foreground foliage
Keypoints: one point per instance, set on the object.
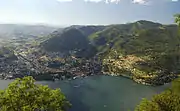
(24, 95)
(168, 100)
(177, 19)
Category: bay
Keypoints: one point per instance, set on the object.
(101, 93)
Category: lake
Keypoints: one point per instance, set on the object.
(101, 93)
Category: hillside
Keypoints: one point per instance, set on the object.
(7, 55)
(69, 41)
(146, 51)
(86, 30)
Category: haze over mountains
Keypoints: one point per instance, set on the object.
(14, 31)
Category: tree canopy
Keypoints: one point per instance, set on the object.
(24, 95)
(168, 100)
(177, 19)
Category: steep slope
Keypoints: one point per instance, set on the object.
(87, 30)
(118, 35)
(147, 52)
(71, 40)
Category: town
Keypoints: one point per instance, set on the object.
(30, 60)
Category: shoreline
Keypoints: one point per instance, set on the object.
(131, 78)
(73, 77)
(149, 82)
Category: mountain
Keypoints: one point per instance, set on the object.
(143, 50)
(71, 40)
(15, 31)
(86, 30)
(114, 35)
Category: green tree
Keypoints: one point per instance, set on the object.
(177, 19)
(168, 100)
(176, 86)
(24, 95)
(147, 105)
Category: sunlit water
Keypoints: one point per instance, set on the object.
(101, 93)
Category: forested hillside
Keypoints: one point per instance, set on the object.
(146, 51)
(71, 41)
(149, 52)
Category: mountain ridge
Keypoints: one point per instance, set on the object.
(142, 42)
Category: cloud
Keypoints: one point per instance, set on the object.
(64, 0)
(175, 0)
(149, 2)
(139, 1)
(112, 1)
(142, 2)
(93, 1)
(96, 1)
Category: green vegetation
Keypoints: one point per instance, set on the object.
(71, 40)
(177, 19)
(24, 95)
(146, 50)
(168, 100)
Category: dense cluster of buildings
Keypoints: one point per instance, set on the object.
(37, 63)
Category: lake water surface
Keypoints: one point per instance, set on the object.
(101, 93)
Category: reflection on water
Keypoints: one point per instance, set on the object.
(101, 93)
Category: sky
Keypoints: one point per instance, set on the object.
(87, 12)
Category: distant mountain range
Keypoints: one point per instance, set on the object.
(100, 36)
(14, 31)
(149, 49)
